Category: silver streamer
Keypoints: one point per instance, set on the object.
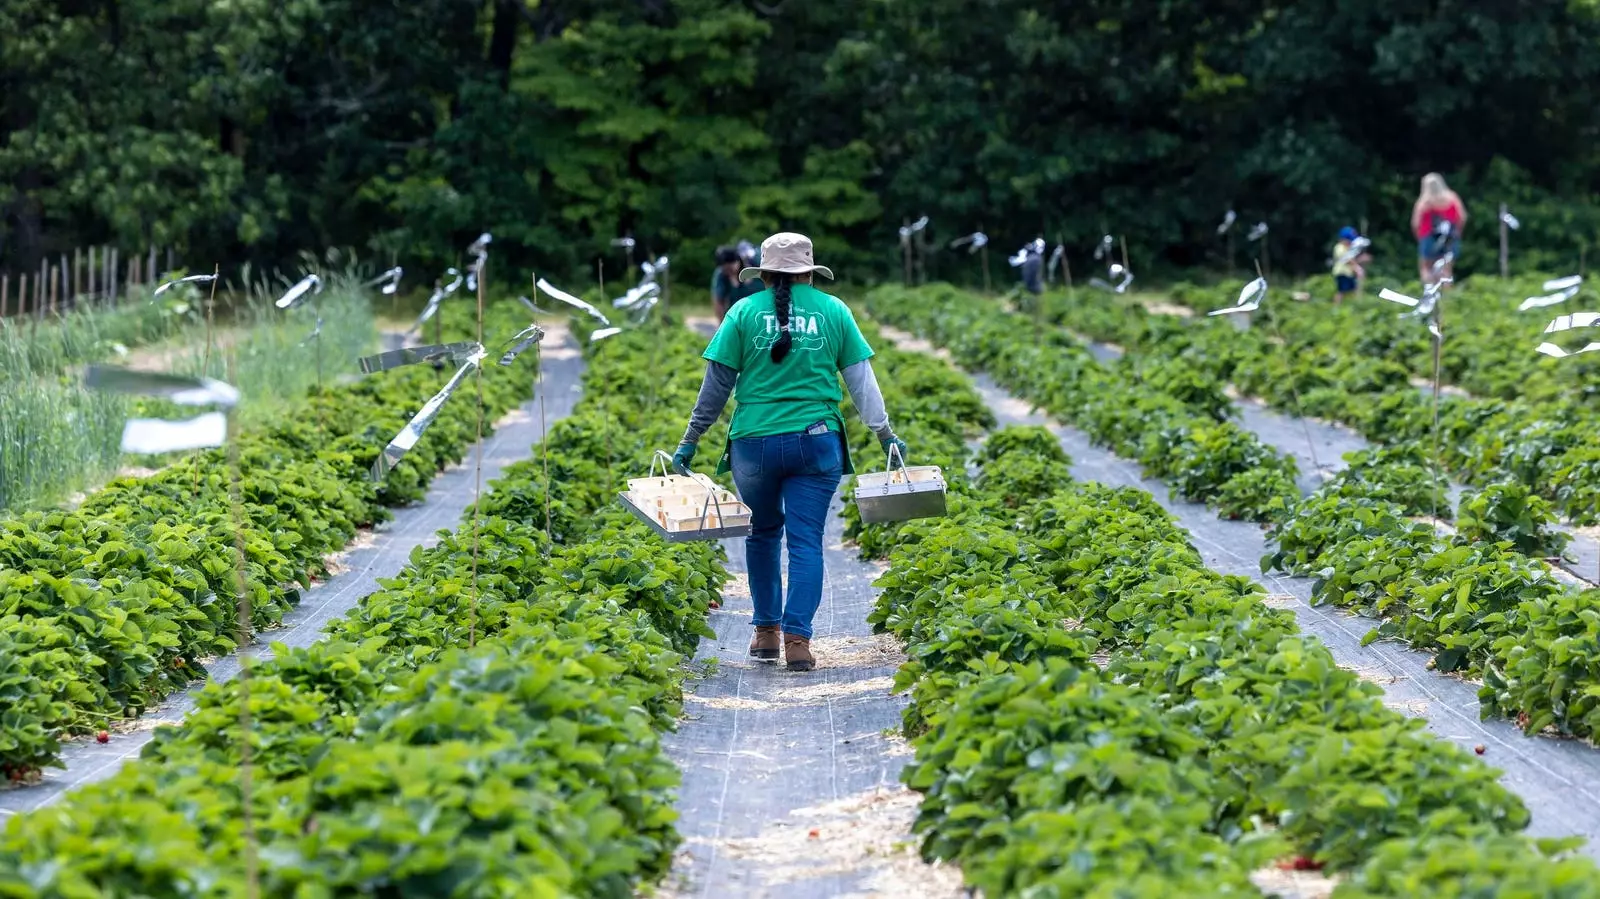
(316, 333)
(636, 295)
(153, 436)
(525, 338)
(559, 295)
(428, 310)
(185, 390)
(1567, 323)
(190, 279)
(307, 286)
(532, 307)
(1250, 297)
(1560, 296)
(413, 355)
(1353, 252)
(418, 425)
(1509, 220)
(1397, 297)
(1104, 249)
(974, 242)
(603, 333)
(389, 279)
(1569, 281)
(1257, 232)
(1227, 222)
(625, 243)
(1119, 274)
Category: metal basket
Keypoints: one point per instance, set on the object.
(683, 508)
(901, 494)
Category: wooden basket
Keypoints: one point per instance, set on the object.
(682, 508)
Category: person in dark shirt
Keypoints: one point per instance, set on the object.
(726, 286)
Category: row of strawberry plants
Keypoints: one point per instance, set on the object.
(109, 607)
(1355, 365)
(1094, 710)
(1175, 426)
(442, 740)
(1481, 599)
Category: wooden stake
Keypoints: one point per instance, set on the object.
(5, 293)
(53, 291)
(22, 295)
(1125, 266)
(905, 252)
(1505, 245)
(477, 490)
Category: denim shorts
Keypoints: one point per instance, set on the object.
(1429, 250)
(1344, 283)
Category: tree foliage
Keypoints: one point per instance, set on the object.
(248, 129)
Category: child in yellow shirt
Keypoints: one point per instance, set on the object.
(1346, 273)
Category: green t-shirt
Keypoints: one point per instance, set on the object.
(789, 396)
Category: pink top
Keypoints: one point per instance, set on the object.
(1450, 213)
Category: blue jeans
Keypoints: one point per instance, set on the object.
(787, 480)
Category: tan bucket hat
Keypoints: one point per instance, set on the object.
(786, 252)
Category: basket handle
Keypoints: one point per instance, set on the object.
(711, 498)
(894, 452)
(665, 460)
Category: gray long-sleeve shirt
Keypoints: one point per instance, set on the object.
(718, 386)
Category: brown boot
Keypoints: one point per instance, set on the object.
(797, 650)
(764, 645)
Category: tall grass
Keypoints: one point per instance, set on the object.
(269, 355)
(57, 438)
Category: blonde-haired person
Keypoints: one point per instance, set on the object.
(1437, 219)
(784, 350)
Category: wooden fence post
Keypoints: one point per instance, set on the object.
(22, 295)
(5, 293)
(113, 268)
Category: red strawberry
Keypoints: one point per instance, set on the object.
(1478, 749)
(102, 737)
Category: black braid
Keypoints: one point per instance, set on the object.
(780, 305)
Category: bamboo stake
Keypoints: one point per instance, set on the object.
(477, 488)
(1505, 245)
(245, 636)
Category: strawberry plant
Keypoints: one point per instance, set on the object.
(443, 739)
(116, 600)
(1511, 513)
(1092, 709)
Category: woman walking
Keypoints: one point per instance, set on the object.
(781, 352)
(1437, 218)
